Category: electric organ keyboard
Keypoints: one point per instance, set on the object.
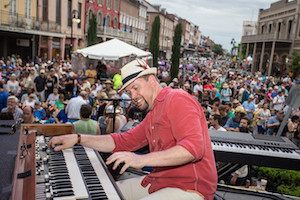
(75, 173)
(260, 150)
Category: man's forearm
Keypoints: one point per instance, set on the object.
(102, 143)
(174, 156)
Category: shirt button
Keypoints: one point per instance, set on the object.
(153, 141)
(152, 127)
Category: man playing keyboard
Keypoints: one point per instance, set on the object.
(176, 131)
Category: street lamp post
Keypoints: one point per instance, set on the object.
(77, 21)
(233, 45)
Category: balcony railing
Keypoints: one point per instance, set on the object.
(264, 38)
(15, 20)
(108, 31)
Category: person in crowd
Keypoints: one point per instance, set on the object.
(30, 101)
(292, 127)
(225, 93)
(59, 103)
(120, 119)
(86, 125)
(3, 96)
(263, 115)
(91, 74)
(233, 124)
(39, 112)
(13, 86)
(180, 147)
(278, 101)
(215, 121)
(73, 107)
(117, 79)
(40, 85)
(108, 87)
(274, 122)
(244, 125)
(51, 82)
(28, 117)
(101, 70)
(223, 110)
(53, 97)
(249, 106)
(12, 107)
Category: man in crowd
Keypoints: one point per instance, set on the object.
(12, 107)
(175, 130)
(73, 107)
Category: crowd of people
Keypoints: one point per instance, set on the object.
(52, 92)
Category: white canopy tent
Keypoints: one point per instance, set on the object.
(113, 49)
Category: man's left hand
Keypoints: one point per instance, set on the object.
(128, 158)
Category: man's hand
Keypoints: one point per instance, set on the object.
(63, 142)
(129, 159)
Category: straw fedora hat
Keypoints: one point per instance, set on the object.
(133, 70)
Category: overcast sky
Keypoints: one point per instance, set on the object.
(220, 19)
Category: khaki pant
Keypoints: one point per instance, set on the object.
(132, 190)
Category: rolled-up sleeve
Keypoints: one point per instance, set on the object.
(131, 140)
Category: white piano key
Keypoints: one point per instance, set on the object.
(108, 187)
(79, 188)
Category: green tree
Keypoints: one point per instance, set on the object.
(176, 51)
(92, 31)
(294, 66)
(154, 40)
(218, 49)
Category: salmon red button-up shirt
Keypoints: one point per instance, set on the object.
(175, 119)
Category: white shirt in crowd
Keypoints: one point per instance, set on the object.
(198, 88)
(73, 107)
(52, 98)
(278, 102)
(219, 129)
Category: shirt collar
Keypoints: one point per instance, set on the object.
(162, 94)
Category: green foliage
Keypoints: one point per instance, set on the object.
(295, 64)
(176, 51)
(92, 31)
(218, 49)
(281, 181)
(154, 40)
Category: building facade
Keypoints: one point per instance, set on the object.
(278, 35)
(129, 19)
(41, 28)
(166, 31)
(107, 13)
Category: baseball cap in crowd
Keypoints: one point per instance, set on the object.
(135, 69)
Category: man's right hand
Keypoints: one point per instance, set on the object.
(63, 142)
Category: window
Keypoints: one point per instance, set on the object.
(28, 8)
(45, 10)
(108, 4)
(99, 19)
(270, 28)
(116, 5)
(262, 29)
(115, 23)
(70, 13)
(13, 8)
(290, 27)
(79, 14)
(107, 21)
(58, 12)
